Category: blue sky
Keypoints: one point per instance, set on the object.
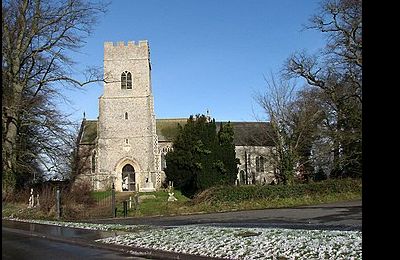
(205, 54)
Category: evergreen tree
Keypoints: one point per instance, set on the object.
(228, 154)
(201, 158)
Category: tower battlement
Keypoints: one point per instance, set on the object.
(141, 43)
(127, 50)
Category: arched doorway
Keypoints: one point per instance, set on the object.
(128, 178)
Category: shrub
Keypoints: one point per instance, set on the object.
(81, 193)
(47, 198)
(250, 192)
(21, 196)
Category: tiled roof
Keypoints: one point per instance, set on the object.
(245, 133)
(89, 132)
(251, 133)
(167, 129)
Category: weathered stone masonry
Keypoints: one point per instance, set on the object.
(127, 145)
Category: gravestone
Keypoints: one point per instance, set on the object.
(171, 196)
(31, 200)
(148, 185)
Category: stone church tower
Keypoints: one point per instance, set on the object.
(127, 151)
(127, 146)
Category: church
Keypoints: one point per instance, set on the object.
(127, 144)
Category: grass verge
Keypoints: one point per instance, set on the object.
(217, 199)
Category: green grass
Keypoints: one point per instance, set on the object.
(222, 199)
(98, 195)
(153, 206)
(217, 199)
(276, 202)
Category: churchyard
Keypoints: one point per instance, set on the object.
(85, 204)
(205, 240)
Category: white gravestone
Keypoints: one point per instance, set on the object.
(31, 200)
(125, 183)
(171, 196)
(148, 185)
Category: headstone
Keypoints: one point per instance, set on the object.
(31, 200)
(125, 183)
(171, 196)
(148, 185)
(37, 201)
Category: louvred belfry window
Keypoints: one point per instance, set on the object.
(126, 80)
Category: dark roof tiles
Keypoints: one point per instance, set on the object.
(245, 133)
(89, 132)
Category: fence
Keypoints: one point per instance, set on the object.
(103, 199)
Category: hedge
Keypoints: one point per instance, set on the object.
(254, 192)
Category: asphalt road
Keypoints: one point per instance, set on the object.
(36, 241)
(334, 216)
(17, 244)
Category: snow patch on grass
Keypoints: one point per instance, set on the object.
(232, 243)
(228, 243)
(90, 226)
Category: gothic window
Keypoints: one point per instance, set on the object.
(93, 161)
(129, 80)
(259, 164)
(126, 80)
(123, 80)
(126, 115)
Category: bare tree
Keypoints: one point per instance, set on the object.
(43, 141)
(337, 72)
(293, 119)
(37, 36)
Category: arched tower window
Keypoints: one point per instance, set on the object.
(93, 162)
(129, 80)
(126, 115)
(126, 80)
